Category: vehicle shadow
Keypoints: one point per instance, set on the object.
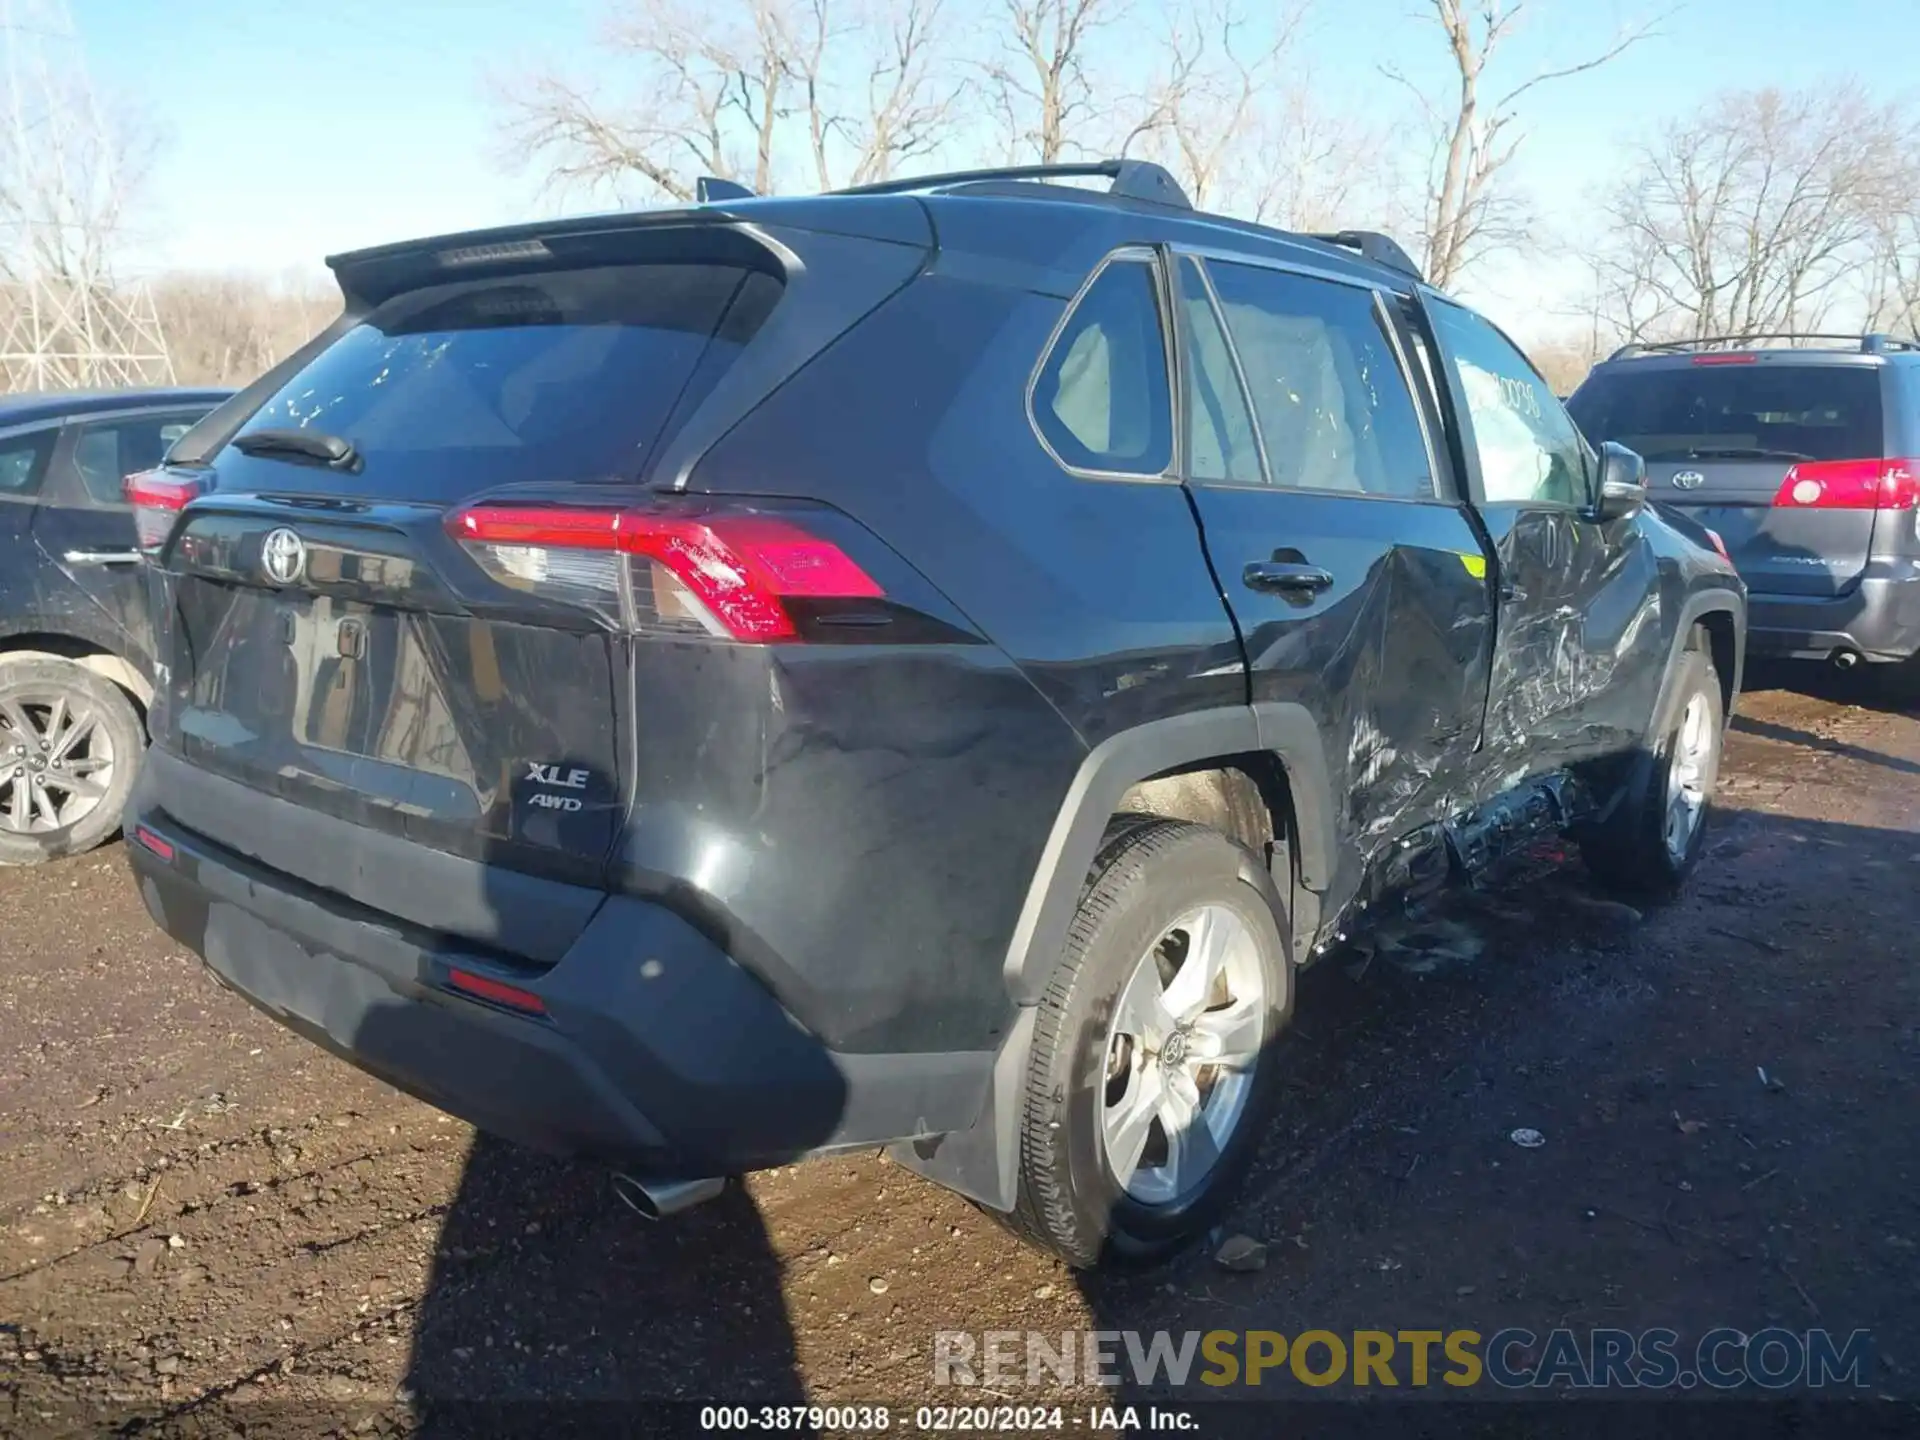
(1891, 689)
(1787, 734)
(545, 1288)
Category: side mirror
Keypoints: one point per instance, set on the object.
(1623, 484)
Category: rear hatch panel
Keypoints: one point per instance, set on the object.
(1722, 434)
(386, 678)
(376, 692)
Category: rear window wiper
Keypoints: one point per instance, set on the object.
(299, 445)
(1740, 452)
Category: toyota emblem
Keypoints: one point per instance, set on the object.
(283, 555)
(1689, 480)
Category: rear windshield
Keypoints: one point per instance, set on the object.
(560, 375)
(1732, 412)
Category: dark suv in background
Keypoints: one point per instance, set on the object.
(76, 645)
(1802, 452)
(923, 665)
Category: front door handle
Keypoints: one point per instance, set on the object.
(1286, 575)
(1511, 594)
(102, 557)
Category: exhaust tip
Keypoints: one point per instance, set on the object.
(1845, 659)
(657, 1199)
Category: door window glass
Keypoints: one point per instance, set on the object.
(1529, 449)
(1334, 408)
(1220, 438)
(1102, 398)
(23, 463)
(108, 452)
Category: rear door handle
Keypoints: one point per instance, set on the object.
(1511, 594)
(1286, 575)
(102, 557)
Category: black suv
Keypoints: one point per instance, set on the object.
(707, 687)
(76, 648)
(1799, 451)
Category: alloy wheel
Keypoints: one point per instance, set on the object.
(1181, 1051)
(56, 761)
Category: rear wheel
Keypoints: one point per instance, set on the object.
(1151, 1077)
(70, 743)
(1653, 839)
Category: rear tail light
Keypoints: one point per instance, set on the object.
(726, 575)
(1851, 485)
(157, 498)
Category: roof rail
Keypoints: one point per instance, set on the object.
(1132, 180)
(1869, 344)
(1372, 245)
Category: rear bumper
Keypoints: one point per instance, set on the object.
(656, 1051)
(1879, 619)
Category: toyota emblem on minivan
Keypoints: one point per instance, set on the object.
(1689, 480)
(283, 555)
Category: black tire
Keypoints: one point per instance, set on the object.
(30, 688)
(1146, 878)
(1629, 852)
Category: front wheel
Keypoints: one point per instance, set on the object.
(1654, 838)
(1152, 1076)
(70, 743)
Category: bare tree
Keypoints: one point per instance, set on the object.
(1893, 290)
(1041, 82)
(730, 89)
(904, 107)
(1208, 109)
(225, 329)
(73, 183)
(1469, 208)
(708, 90)
(1758, 211)
(1319, 169)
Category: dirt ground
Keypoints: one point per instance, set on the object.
(198, 1211)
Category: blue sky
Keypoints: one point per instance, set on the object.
(289, 130)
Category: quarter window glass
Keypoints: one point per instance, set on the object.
(1528, 447)
(1334, 408)
(1220, 439)
(108, 453)
(1102, 399)
(23, 463)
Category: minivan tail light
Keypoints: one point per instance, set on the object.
(727, 575)
(1851, 485)
(157, 498)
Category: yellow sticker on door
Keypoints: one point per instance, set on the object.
(1476, 565)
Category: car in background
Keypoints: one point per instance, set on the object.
(76, 643)
(1798, 452)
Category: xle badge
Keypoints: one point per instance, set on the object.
(539, 774)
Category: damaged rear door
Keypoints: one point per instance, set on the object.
(1355, 578)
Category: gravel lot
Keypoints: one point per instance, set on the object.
(198, 1210)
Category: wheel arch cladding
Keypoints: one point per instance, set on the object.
(982, 1161)
(1216, 739)
(1721, 614)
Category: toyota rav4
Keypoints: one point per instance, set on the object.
(916, 667)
